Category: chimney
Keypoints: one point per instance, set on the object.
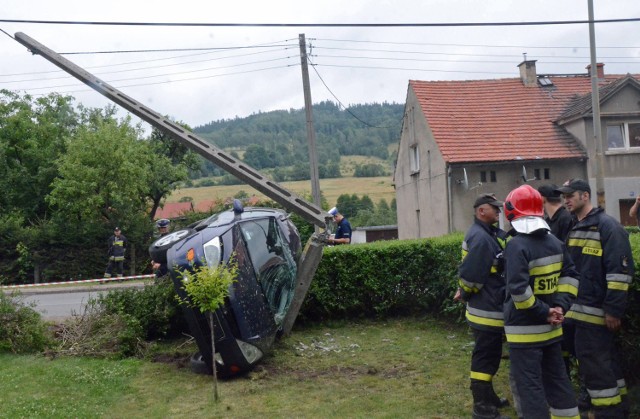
(528, 73)
(599, 70)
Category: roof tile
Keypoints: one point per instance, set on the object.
(501, 119)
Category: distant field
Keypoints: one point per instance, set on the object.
(376, 187)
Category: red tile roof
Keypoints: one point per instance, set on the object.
(502, 120)
(173, 210)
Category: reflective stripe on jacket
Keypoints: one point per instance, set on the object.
(600, 247)
(480, 272)
(539, 275)
(117, 247)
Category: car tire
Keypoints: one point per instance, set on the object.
(198, 365)
(158, 249)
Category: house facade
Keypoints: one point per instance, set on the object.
(460, 139)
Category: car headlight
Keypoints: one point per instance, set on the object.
(250, 352)
(213, 252)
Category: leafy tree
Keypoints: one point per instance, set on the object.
(32, 137)
(104, 173)
(171, 163)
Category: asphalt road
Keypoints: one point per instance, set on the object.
(56, 304)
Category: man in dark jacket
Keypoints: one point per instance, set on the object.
(557, 217)
(481, 286)
(541, 285)
(600, 248)
(343, 230)
(117, 247)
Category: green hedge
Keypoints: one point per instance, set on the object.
(385, 278)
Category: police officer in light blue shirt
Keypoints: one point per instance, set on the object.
(343, 231)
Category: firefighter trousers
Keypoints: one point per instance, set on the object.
(599, 370)
(541, 380)
(485, 359)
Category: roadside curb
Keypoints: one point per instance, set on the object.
(60, 289)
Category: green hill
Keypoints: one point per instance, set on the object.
(278, 139)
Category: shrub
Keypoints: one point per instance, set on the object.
(386, 278)
(153, 307)
(21, 328)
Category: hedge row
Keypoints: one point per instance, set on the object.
(385, 278)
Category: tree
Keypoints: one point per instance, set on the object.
(32, 137)
(207, 287)
(170, 165)
(104, 173)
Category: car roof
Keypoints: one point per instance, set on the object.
(229, 217)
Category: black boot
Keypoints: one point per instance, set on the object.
(483, 406)
(497, 401)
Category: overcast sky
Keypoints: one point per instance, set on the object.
(251, 69)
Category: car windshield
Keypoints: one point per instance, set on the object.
(273, 263)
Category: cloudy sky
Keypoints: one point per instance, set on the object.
(207, 73)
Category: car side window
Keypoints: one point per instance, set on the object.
(273, 262)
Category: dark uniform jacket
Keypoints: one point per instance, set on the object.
(344, 230)
(560, 223)
(600, 247)
(540, 274)
(481, 282)
(117, 247)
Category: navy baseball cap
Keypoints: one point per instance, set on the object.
(575, 185)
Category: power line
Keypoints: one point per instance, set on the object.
(213, 49)
(165, 81)
(340, 102)
(155, 67)
(456, 54)
(320, 25)
(460, 61)
(465, 45)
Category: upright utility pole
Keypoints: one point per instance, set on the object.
(595, 105)
(311, 133)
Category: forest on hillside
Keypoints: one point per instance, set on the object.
(278, 139)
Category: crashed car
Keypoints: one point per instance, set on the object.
(267, 248)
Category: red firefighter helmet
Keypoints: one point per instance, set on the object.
(524, 201)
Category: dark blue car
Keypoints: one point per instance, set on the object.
(267, 248)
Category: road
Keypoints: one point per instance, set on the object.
(57, 304)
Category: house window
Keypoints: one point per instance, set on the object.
(623, 136)
(536, 173)
(414, 158)
(547, 174)
(492, 176)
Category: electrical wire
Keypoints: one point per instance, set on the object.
(148, 67)
(466, 45)
(162, 82)
(321, 25)
(340, 102)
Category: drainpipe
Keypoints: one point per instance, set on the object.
(449, 201)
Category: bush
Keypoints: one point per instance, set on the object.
(153, 307)
(385, 279)
(21, 328)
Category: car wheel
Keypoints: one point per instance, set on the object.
(198, 365)
(158, 250)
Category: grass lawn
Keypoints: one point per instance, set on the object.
(398, 368)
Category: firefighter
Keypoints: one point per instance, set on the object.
(117, 247)
(557, 217)
(600, 247)
(481, 287)
(160, 269)
(541, 285)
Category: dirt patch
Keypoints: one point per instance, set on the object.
(179, 360)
